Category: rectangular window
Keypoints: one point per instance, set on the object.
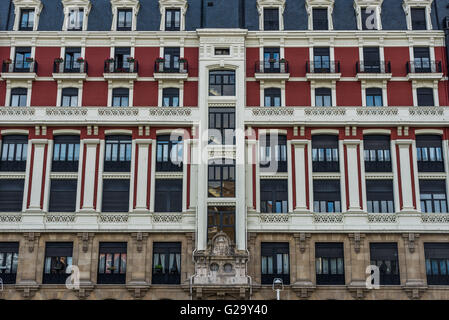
(112, 263)
(275, 262)
(221, 219)
(326, 196)
(124, 19)
(171, 62)
(221, 178)
(75, 19)
(379, 196)
(66, 152)
(271, 60)
(422, 59)
(71, 64)
(11, 195)
(168, 195)
(418, 18)
(385, 257)
(169, 154)
(374, 97)
(26, 20)
(329, 262)
(377, 153)
(429, 153)
(425, 97)
(222, 83)
(323, 97)
(170, 97)
(321, 60)
(14, 153)
(58, 257)
(166, 263)
(221, 126)
(115, 195)
(21, 63)
(320, 21)
(273, 153)
(222, 51)
(437, 263)
(273, 196)
(117, 156)
(18, 97)
(69, 97)
(172, 20)
(433, 196)
(273, 97)
(121, 56)
(270, 19)
(62, 195)
(325, 153)
(120, 97)
(371, 61)
(9, 257)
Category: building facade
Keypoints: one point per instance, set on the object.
(201, 149)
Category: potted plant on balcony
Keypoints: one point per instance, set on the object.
(182, 65)
(131, 62)
(59, 64)
(282, 64)
(29, 59)
(8, 65)
(160, 64)
(110, 62)
(158, 268)
(80, 61)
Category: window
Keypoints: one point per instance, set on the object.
(385, 256)
(9, 257)
(421, 59)
(11, 195)
(221, 178)
(21, 63)
(425, 97)
(69, 97)
(275, 262)
(323, 97)
(329, 261)
(120, 97)
(270, 19)
(271, 60)
(374, 97)
(76, 19)
(18, 97)
(121, 63)
(433, 196)
(273, 153)
(222, 51)
(62, 195)
(437, 263)
(429, 153)
(171, 56)
(320, 21)
(172, 20)
(169, 153)
(115, 195)
(418, 18)
(71, 63)
(14, 153)
(118, 154)
(221, 126)
(26, 20)
(170, 97)
(221, 219)
(371, 61)
(326, 196)
(325, 153)
(273, 196)
(66, 153)
(377, 153)
(58, 257)
(168, 195)
(321, 60)
(379, 196)
(112, 263)
(222, 83)
(166, 263)
(124, 20)
(273, 97)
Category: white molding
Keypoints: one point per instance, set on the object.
(57, 132)
(6, 132)
(376, 131)
(125, 4)
(117, 131)
(325, 131)
(429, 131)
(27, 4)
(266, 4)
(182, 5)
(315, 4)
(407, 5)
(74, 5)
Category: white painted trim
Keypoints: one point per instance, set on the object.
(27, 4)
(376, 131)
(118, 131)
(124, 4)
(182, 5)
(267, 4)
(429, 131)
(324, 131)
(6, 132)
(57, 132)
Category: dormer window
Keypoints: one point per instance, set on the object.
(417, 13)
(173, 14)
(26, 20)
(124, 15)
(125, 20)
(75, 15)
(75, 20)
(26, 14)
(172, 20)
(271, 14)
(320, 14)
(368, 14)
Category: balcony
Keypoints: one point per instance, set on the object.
(323, 70)
(378, 166)
(177, 72)
(272, 70)
(113, 70)
(373, 70)
(75, 70)
(20, 70)
(424, 70)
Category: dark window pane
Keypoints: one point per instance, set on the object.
(115, 195)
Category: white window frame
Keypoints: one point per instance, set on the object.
(320, 4)
(27, 4)
(417, 84)
(364, 4)
(407, 5)
(170, 84)
(28, 84)
(173, 4)
(112, 84)
(314, 84)
(271, 4)
(69, 84)
(367, 84)
(272, 85)
(124, 4)
(76, 5)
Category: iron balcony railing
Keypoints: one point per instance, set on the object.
(72, 67)
(373, 67)
(19, 66)
(323, 67)
(161, 67)
(424, 66)
(272, 66)
(113, 66)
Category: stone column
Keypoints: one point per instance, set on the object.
(415, 285)
(304, 284)
(302, 170)
(90, 172)
(39, 149)
(26, 268)
(406, 175)
(142, 176)
(352, 160)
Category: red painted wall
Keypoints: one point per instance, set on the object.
(145, 93)
(443, 93)
(4, 53)
(297, 93)
(400, 93)
(297, 58)
(191, 93)
(192, 56)
(95, 57)
(44, 93)
(252, 57)
(95, 93)
(398, 57)
(146, 58)
(349, 93)
(440, 55)
(253, 93)
(348, 58)
(45, 56)
(2, 93)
